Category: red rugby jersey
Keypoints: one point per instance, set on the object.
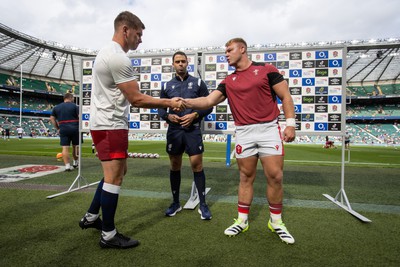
(250, 94)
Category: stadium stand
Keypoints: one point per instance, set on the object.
(376, 90)
(33, 126)
(50, 69)
(39, 86)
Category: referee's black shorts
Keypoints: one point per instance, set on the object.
(181, 140)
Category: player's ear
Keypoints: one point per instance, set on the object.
(125, 30)
(242, 49)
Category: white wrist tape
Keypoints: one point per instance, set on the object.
(291, 122)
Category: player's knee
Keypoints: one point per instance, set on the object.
(247, 178)
(276, 178)
(197, 168)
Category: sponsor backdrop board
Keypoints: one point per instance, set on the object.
(316, 79)
(151, 71)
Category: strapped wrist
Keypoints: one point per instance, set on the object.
(290, 122)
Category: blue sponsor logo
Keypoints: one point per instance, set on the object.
(231, 68)
(221, 126)
(308, 81)
(278, 100)
(210, 117)
(136, 61)
(221, 59)
(154, 110)
(190, 68)
(270, 57)
(321, 54)
(335, 99)
(134, 125)
(156, 77)
(307, 117)
(211, 84)
(321, 126)
(335, 63)
(295, 73)
(297, 108)
(86, 86)
(85, 117)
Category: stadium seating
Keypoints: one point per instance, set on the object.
(374, 110)
(32, 126)
(375, 133)
(8, 100)
(374, 90)
(364, 134)
(39, 85)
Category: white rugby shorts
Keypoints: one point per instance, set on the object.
(262, 139)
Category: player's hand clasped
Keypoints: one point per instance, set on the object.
(177, 104)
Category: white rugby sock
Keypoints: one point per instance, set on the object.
(91, 217)
(243, 216)
(108, 235)
(275, 217)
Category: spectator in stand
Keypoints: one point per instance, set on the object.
(50, 88)
(72, 90)
(11, 81)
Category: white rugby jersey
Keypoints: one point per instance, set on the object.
(109, 108)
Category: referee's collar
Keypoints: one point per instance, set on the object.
(184, 78)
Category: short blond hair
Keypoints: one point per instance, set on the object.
(237, 40)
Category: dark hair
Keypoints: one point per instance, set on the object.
(131, 20)
(179, 53)
(68, 96)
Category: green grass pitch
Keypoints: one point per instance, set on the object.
(37, 231)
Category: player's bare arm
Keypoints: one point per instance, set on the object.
(282, 91)
(54, 122)
(137, 99)
(205, 102)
